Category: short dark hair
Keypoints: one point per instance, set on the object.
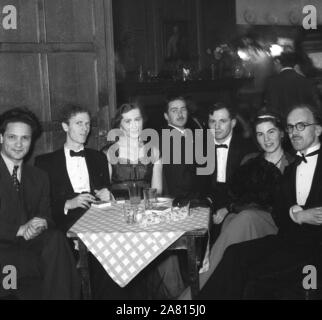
(315, 111)
(124, 108)
(23, 115)
(263, 115)
(221, 105)
(171, 98)
(287, 59)
(70, 110)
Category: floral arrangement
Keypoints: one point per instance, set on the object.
(220, 51)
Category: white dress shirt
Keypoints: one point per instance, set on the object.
(10, 165)
(222, 155)
(182, 131)
(77, 172)
(304, 176)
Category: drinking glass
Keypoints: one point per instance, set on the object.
(150, 197)
(129, 212)
(134, 193)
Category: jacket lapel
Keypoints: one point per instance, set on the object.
(11, 194)
(291, 186)
(90, 169)
(62, 168)
(231, 157)
(315, 187)
(27, 193)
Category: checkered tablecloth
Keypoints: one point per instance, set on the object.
(123, 249)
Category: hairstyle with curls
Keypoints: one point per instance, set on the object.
(70, 110)
(124, 108)
(172, 97)
(221, 105)
(23, 115)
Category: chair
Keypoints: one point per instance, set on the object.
(82, 266)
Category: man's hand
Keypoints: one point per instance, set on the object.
(310, 216)
(103, 194)
(39, 223)
(32, 228)
(220, 215)
(83, 200)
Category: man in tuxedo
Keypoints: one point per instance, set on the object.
(41, 255)
(230, 149)
(78, 175)
(268, 267)
(288, 87)
(180, 175)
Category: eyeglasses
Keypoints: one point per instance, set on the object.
(300, 126)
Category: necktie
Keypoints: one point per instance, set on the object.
(77, 154)
(303, 157)
(217, 146)
(14, 177)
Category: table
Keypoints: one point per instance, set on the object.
(125, 250)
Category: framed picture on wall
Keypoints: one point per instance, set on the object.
(176, 40)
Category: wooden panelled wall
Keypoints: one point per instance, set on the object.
(61, 52)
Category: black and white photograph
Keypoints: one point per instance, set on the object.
(160, 154)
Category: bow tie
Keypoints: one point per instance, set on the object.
(217, 146)
(77, 154)
(303, 157)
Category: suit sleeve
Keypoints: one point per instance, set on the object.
(57, 204)
(103, 172)
(8, 230)
(281, 206)
(106, 173)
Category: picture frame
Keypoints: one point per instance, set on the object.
(175, 42)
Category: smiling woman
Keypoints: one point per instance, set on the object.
(132, 165)
(251, 191)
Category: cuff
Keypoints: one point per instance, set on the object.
(65, 210)
(294, 209)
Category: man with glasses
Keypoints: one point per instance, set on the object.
(267, 268)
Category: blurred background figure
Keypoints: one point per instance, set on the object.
(289, 87)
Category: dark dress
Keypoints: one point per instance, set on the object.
(126, 173)
(162, 278)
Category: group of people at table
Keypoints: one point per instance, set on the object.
(265, 204)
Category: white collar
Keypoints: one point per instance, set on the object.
(9, 163)
(67, 148)
(182, 131)
(227, 141)
(67, 151)
(311, 149)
